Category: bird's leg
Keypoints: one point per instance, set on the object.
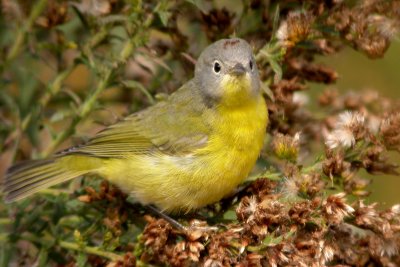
(179, 226)
(169, 219)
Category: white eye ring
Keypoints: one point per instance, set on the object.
(217, 67)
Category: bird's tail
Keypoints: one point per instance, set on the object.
(28, 177)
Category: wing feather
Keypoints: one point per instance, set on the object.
(174, 126)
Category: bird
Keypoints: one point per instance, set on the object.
(180, 154)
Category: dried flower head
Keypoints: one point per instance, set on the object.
(11, 10)
(328, 97)
(295, 28)
(390, 131)
(348, 129)
(374, 124)
(374, 161)
(218, 22)
(247, 209)
(155, 237)
(351, 120)
(325, 252)
(335, 208)
(300, 212)
(94, 7)
(254, 259)
(388, 28)
(186, 251)
(356, 186)
(340, 138)
(311, 71)
(56, 14)
(129, 260)
(311, 184)
(334, 164)
(275, 255)
(374, 47)
(220, 251)
(290, 188)
(366, 215)
(286, 147)
(300, 98)
(389, 247)
(395, 210)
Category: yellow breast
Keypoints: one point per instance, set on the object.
(187, 182)
(233, 148)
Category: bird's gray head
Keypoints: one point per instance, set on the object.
(226, 72)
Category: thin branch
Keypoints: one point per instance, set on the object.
(91, 250)
(21, 35)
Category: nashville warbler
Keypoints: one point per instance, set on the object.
(180, 154)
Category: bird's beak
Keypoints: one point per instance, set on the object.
(238, 70)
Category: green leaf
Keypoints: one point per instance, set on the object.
(5, 255)
(136, 85)
(275, 23)
(270, 240)
(276, 68)
(43, 258)
(8, 101)
(82, 259)
(199, 4)
(230, 215)
(162, 11)
(268, 91)
(58, 116)
(164, 17)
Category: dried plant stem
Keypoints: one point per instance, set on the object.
(3, 238)
(4, 221)
(53, 192)
(83, 112)
(16, 49)
(90, 250)
(55, 85)
(279, 174)
(21, 35)
(77, 247)
(89, 104)
(52, 89)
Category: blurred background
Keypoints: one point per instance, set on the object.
(359, 73)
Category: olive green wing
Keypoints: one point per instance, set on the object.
(175, 126)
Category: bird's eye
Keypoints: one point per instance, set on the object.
(251, 64)
(217, 67)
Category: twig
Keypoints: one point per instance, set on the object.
(105, 79)
(91, 250)
(21, 35)
(83, 112)
(5, 221)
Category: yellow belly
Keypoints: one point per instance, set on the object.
(184, 183)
